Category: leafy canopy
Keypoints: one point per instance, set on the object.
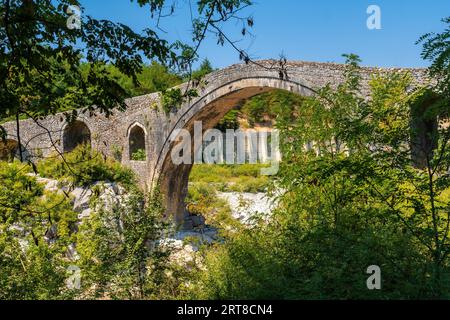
(46, 67)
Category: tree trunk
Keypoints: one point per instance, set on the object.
(18, 136)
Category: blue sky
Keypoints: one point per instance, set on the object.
(311, 30)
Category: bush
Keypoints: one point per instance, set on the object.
(288, 260)
(202, 200)
(119, 253)
(139, 155)
(117, 245)
(36, 228)
(83, 167)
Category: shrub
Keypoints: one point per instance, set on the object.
(36, 228)
(119, 252)
(202, 200)
(139, 155)
(83, 166)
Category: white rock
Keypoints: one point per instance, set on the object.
(245, 206)
(82, 197)
(72, 252)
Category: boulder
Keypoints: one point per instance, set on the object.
(82, 197)
(85, 214)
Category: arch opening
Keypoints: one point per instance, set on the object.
(424, 128)
(76, 134)
(9, 150)
(137, 144)
(209, 110)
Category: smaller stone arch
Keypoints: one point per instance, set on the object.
(137, 138)
(75, 134)
(9, 150)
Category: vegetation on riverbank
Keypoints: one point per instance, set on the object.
(365, 182)
(231, 178)
(354, 200)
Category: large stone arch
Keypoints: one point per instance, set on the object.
(209, 109)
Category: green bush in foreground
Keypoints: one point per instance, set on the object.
(116, 246)
(119, 253)
(36, 228)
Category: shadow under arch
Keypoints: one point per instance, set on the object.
(173, 179)
(75, 134)
(9, 150)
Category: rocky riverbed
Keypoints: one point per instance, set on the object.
(244, 206)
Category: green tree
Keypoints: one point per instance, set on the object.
(41, 57)
(153, 78)
(352, 197)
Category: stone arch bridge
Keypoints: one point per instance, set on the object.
(146, 127)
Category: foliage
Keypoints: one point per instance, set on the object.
(271, 106)
(231, 178)
(203, 200)
(36, 228)
(45, 66)
(117, 247)
(352, 199)
(293, 259)
(264, 108)
(229, 121)
(41, 58)
(153, 78)
(436, 49)
(117, 152)
(173, 98)
(204, 69)
(119, 254)
(83, 166)
(139, 155)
